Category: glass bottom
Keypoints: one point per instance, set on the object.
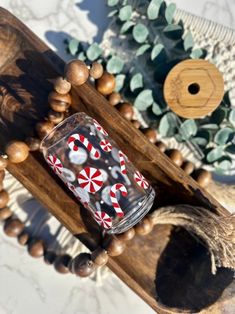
(134, 216)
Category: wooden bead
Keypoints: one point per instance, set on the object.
(61, 263)
(176, 156)
(127, 235)
(2, 175)
(82, 265)
(23, 238)
(62, 86)
(144, 227)
(106, 84)
(136, 124)
(151, 135)
(114, 99)
(126, 110)
(49, 257)
(99, 257)
(188, 167)
(36, 248)
(5, 213)
(44, 128)
(96, 70)
(13, 227)
(114, 246)
(17, 151)
(4, 198)
(33, 143)
(1, 185)
(55, 117)
(3, 163)
(203, 177)
(161, 146)
(76, 72)
(58, 102)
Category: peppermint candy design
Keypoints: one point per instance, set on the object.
(90, 179)
(103, 219)
(99, 128)
(82, 195)
(78, 157)
(72, 142)
(122, 162)
(113, 196)
(140, 180)
(106, 145)
(55, 164)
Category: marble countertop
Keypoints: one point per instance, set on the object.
(29, 286)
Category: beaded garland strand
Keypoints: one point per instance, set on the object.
(77, 73)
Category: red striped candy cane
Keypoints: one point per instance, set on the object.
(122, 161)
(99, 128)
(82, 139)
(113, 196)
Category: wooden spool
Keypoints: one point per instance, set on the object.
(194, 88)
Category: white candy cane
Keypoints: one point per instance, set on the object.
(122, 161)
(99, 128)
(82, 139)
(113, 196)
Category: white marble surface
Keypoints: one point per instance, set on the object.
(29, 286)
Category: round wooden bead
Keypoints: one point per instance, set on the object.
(58, 102)
(127, 235)
(203, 177)
(136, 124)
(144, 227)
(44, 128)
(161, 146)
(126, 110)
(151, 135)
(3, 163)
(5, 213)
(2, 175)
(96, 70)
(36, 248)
(99, 257)
(188, 167)
(49, 257)
(23, 238)
(33, 143)
(106, 84)
(17, 151)
(13, 227)
(1, 185)
(176, 156)
(61, 263)
(62, 86)
(4, 198)
(82, 265)
(114, 246)
(55, 117)
(114, 99)
(76, 72)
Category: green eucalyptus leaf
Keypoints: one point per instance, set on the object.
(215, 154)
(169, 13)
(115, 65)
(125, 13)
(144, 100)
(232, 117)
(231, 149)
(196, 53)
(112, 3)
(82, 56)
(223, 136)
(157, 49)
(218, 116)
(136, 81)
(142, 49)
(188, 41)
(225, 163)
(200, 141)
(73, 46)
(126, 26)
(93, 52)
(112, 13)
(187, 129)
(140, 33)
(173, 31)
(156, 109)
(168, 125)
(210, 126)
(120, 78)
(202, 138)
(153, 9)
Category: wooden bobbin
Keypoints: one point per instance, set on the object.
(194, 88)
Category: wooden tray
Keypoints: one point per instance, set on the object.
(167, 268)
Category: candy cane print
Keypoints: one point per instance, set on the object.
(82, 139)
(113, 196)
(106, 145)
(99, 128)
(122, 162)
(55, 164)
